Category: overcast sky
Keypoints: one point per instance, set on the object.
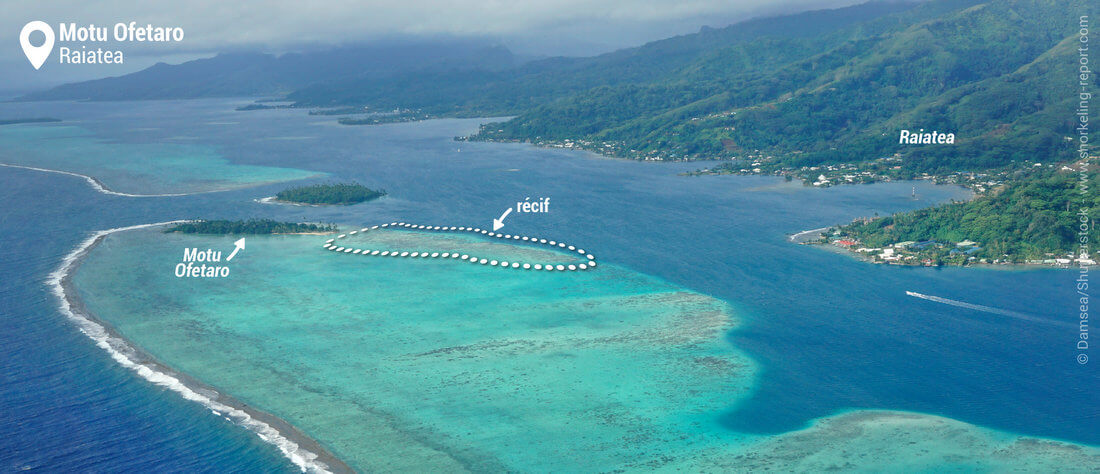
(549, 27)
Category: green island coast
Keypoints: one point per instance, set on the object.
(1020, 222)
(397, 116)
(336, 194)
(496, 370)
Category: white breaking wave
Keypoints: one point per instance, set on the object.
(987, 309)
(99, 186)
(122, 352)
(800, 234)
(275, 200)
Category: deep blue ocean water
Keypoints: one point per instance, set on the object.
(65, 406)
(830, 333)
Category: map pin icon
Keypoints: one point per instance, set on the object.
(36, 54)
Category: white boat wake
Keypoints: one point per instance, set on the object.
(987, 309)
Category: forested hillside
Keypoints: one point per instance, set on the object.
(1000, 75)
(509, 92)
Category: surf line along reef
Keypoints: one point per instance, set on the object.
(587, 262)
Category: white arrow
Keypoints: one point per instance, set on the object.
(238, 245)
(498, 223)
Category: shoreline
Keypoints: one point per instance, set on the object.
(274, 200)
(865, 258)
(602, 153)
(794, 237)
(298, 448)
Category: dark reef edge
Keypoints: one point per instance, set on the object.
(130, 350)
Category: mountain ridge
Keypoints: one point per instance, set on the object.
(255, 74)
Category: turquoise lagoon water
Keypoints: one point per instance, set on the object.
(140, 168)
(417, 364)
(439, 365)
(829, 353)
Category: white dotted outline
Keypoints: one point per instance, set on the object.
(588, 261)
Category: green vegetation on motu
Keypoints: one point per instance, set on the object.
(258, 106)
(384, 118)
(1027, 220)
(250, 226)
(339, 193)
(28, 120)
(339, 111)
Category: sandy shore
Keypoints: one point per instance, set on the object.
(301, 450)
(275, 200)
